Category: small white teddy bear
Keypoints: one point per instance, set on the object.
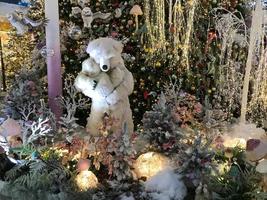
(107, 53)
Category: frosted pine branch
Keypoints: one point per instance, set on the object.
(71, 102)
(39, 129)
(27, 110)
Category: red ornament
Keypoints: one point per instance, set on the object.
(146, 95)
(114, 34)
(252, 144)
(83, 165)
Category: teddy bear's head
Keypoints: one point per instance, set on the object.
(103, 51)
(90, 68)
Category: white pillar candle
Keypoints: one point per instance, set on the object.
(53, 55)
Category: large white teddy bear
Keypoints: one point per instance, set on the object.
(106, 80)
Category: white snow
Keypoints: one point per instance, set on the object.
(125, 197)
(166, 185)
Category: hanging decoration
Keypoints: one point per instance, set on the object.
(190, 25)
(256, 36)
(21, 22)
(257, 106)
(155, 23)
(172, 43)
(88, 16)
(232, 31)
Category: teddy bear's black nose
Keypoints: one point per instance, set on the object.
(104, 67)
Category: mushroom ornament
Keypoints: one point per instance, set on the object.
(88, 16)
(136, 11)
(256, 151)
(262, 168)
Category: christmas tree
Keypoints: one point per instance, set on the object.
(187, 59)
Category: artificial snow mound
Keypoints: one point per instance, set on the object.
(166, 185)
(247, 131)
(126, 197)
(240, 133)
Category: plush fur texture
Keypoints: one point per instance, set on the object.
(106, 80)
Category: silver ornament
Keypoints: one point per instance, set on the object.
(75, 32)
(118, 12)
(47, 52)
(76, 11)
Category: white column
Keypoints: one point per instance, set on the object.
(255, 35)
(53, 55)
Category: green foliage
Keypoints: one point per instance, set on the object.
(24, 151)
(198, 160)
(240, 181)
(24, 95)
(37, 176)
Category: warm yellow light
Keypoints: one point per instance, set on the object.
(86, 180)
(223, 168)
(149, 164)
(234, 142)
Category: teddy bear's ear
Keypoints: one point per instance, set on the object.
(118, 46)
(92, 45)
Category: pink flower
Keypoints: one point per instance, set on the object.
(198, 108)
(114, 34)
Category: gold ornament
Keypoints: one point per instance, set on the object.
(86, 180)
(149, 164)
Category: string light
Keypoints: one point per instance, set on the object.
(190, 25)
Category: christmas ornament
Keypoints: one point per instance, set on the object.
(130, 22)
(75, 32)
(136, 11)
(46, 52)
(149, 164)
(76, 11)
(83, 165)
(21, 22)
(86, 180)
(88, 16)
(83, 3)
(74, 2)
(262, 168)
(118, 12)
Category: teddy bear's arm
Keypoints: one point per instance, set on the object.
(122, 91)
(116, 76)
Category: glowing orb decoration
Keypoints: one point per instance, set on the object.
(149, 164)
(86, 180)
(234, 142)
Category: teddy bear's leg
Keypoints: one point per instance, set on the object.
(129, 120)
(92, 126)
(94, 122)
